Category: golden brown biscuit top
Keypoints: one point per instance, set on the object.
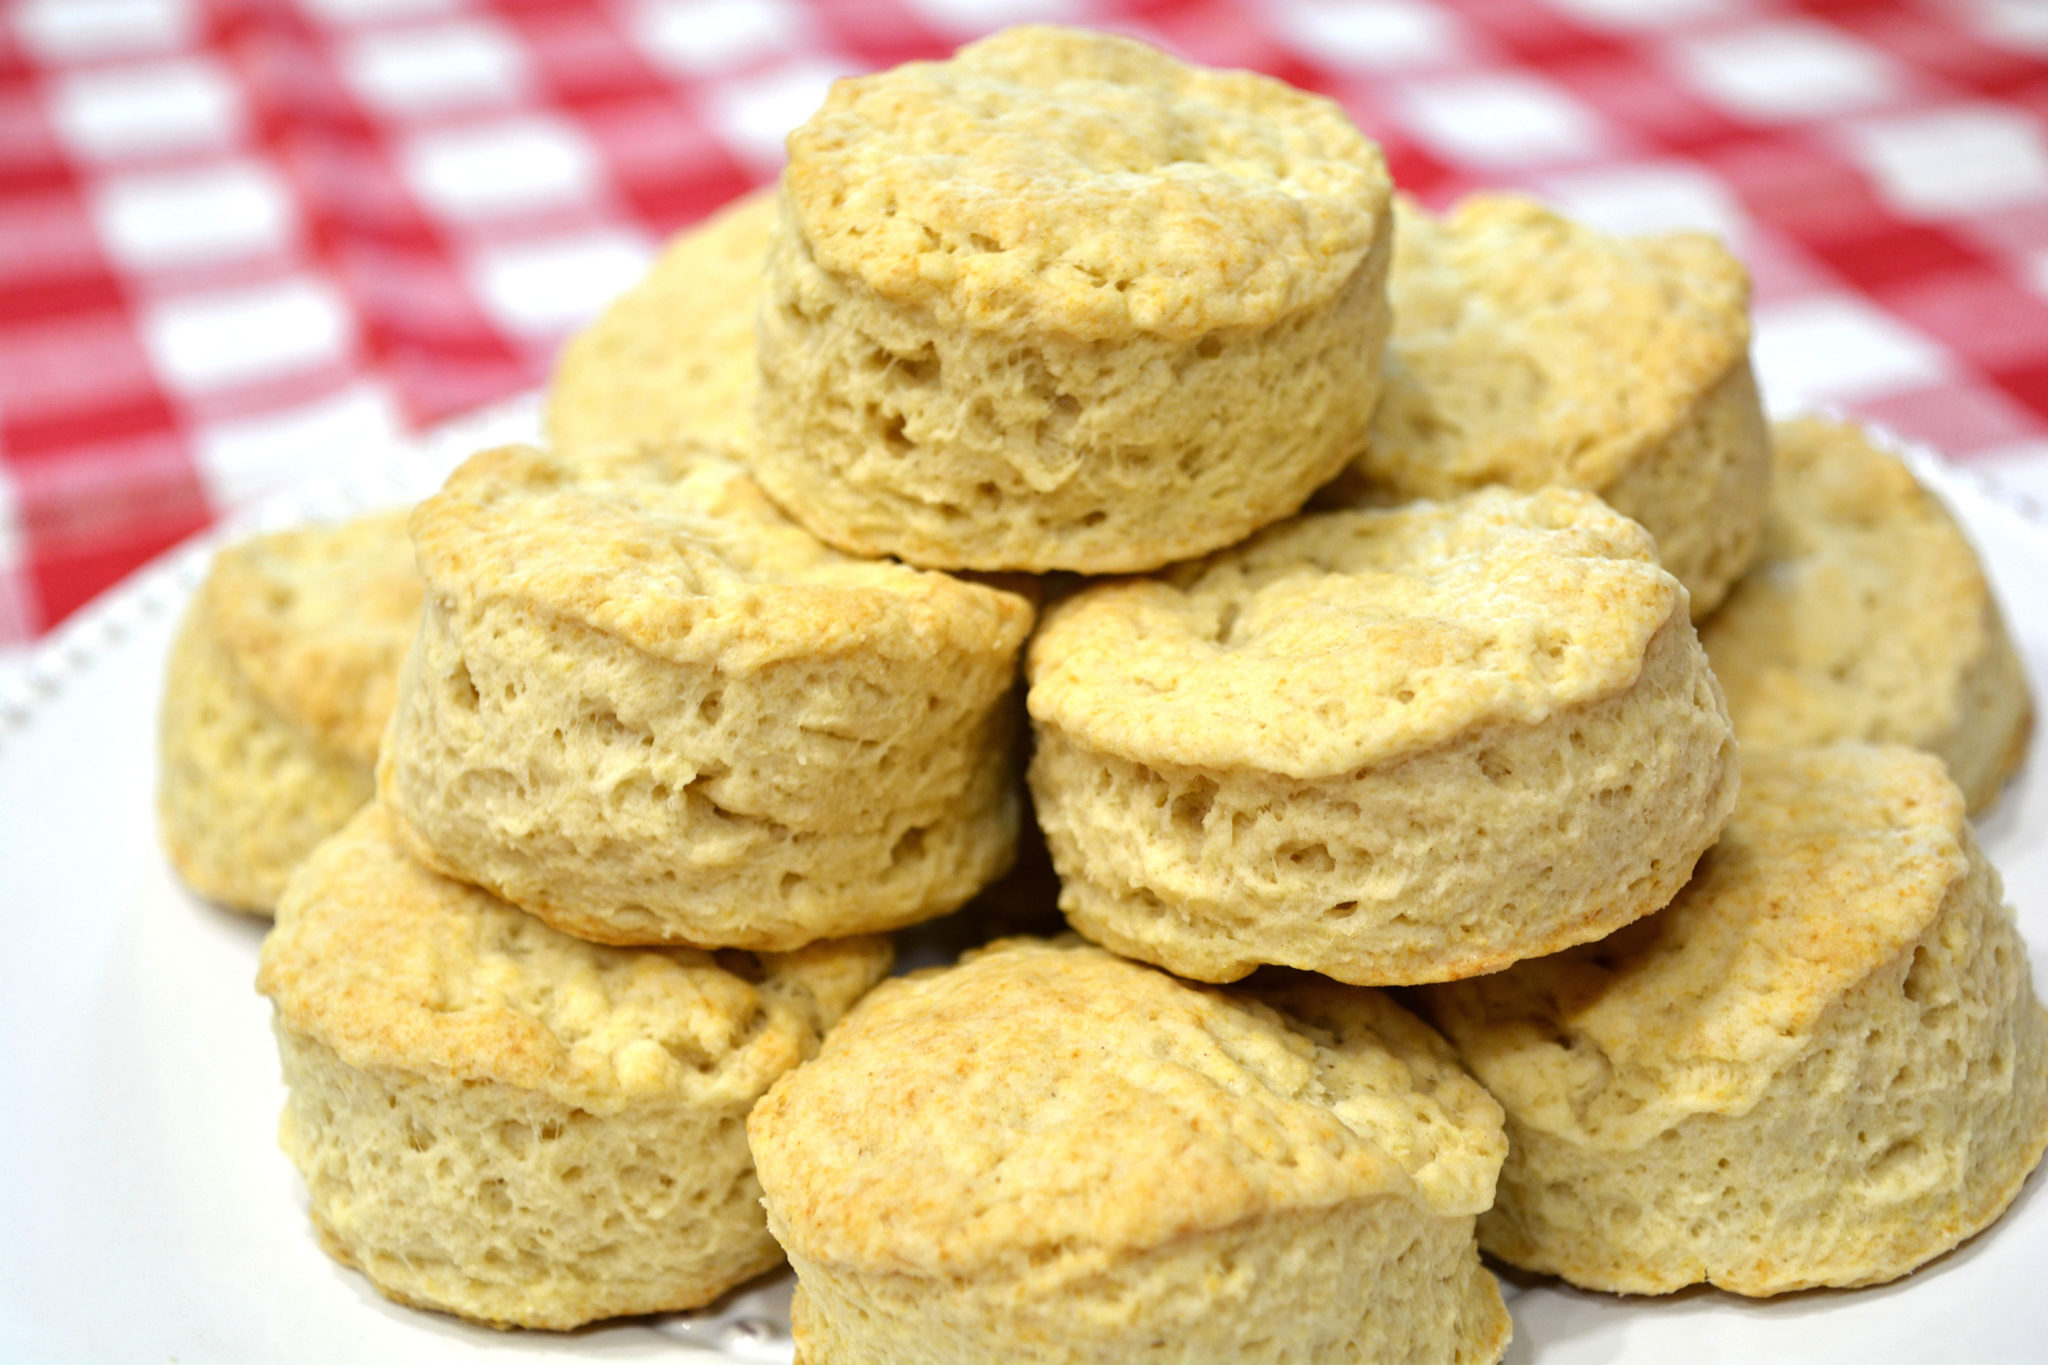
(392, 965)
(318, 620)
(1353, 638)
(1510, 325)
(675, 551)
(1865, 606)
(1088, 185)
(1835, 861)
(1049, 1105)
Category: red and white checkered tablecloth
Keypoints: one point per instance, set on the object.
(244, 240)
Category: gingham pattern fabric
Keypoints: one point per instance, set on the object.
(242, 242)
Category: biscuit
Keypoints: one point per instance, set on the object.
(1823, 1064)
(648, 708)
(1389, 746)
(278, 687)
(1529, 350)
(1048, 1153)
(1867, 617)
(674, 357)
(1063, 302)
(504, 1122)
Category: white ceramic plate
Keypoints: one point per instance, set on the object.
(146, 1213)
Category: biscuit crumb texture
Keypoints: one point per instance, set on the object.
(1064, 302)
(1823, 1064)
(503, 1122)
(278, 687)
(1049, 1153)
(1528, 350)
(1867, 617)
(648, 708)
(1391, 747)
(673, 358)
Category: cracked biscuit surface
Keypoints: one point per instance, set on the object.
(1050, 1153)
(1868, 617)
(500, 1121)
(1823, 1064)
(277, 691)
(1392, 746)
(647, 707)
(1064, 302)
(1528, 350)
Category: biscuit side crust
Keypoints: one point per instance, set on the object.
(1508, 842)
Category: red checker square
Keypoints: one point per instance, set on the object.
(1978, 313)
(1945, 50)
(1780, 270)
(1958, 420)
(291, 75)
(2016, 230)
(350, 181)
(1797, 187)
(70, 576)
(101, 490)
(407, 294)
(581, 56)
(664, 162)
(270, 395)
(2028, 382)
(2031, 97)
(1538, 34)
(1890, 252)
(1638, 95)
(73, 368)
(434, 383)
(1219, 33)
(103, 511)
(879, 33)
(30, 159)
(50, 261)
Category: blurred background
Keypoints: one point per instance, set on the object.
(242, 243)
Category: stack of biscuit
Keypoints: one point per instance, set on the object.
(727, 684)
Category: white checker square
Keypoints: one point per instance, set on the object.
(1834, 348)
(703, 37)
(2021, 24)
(1652, 196)
(1954, 162)
(212, 341)
(966, 18)
(181, 105)
(460, 64)
(1499, 120)
(245, 458)
(757, 114)
(165, 219)
(1636, 15)
(1788, 70)
(518, 165)
(56, 31)
(344, 12)
(542, 289)
(1371, 35)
